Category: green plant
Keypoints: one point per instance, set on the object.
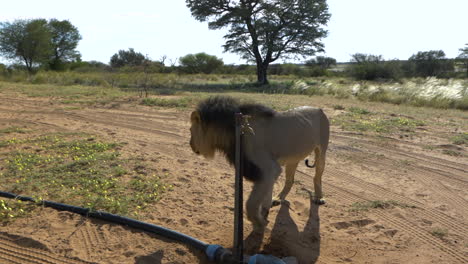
(460, 139)
(338, 107)
(452, 153)
(439, 232)
(377, 204)
(80, 170)
(360, 119)
(11, 209)
(179, 102)
(10, 130)
(360, 111)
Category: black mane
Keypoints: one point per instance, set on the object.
(219, 111)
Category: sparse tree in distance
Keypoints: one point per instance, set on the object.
(463, 58)
(3, 68)
(430, 63)
(322, 62)
(264, 31)
(88, 66)
(27, 41)
(127, 58)
(365, 66)
(65, 38)
(366, 58)
(373, 67)
(200, 63)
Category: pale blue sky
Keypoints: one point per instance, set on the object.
(392, 28)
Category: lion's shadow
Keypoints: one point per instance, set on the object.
(286, 238)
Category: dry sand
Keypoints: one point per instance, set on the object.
(359, 169)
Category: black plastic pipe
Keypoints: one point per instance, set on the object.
(215, 253)
(159, 230)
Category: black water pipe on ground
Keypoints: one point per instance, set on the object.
(215, 253)
(159, 230)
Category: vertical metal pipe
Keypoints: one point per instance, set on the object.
(238, 207)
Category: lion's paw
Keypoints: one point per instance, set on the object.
(320, 201)
(275, 202)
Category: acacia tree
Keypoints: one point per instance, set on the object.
(64, 40)
(264, 31)
(25, 40)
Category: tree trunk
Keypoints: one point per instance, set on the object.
(29, 66)
(466, 66)
(262, 73)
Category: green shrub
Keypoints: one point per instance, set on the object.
(200, 63)
(179, 102)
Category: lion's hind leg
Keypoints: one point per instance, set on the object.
(290, 171)
(319, 168)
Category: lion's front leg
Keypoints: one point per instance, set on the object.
(259, 203)
(253, 211)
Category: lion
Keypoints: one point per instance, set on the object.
(279, 139)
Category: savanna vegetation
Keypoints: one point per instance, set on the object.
(45, 63)
(430, 92)
(74, 168)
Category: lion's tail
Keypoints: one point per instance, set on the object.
(308, 165)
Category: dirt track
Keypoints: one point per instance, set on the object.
(433, 187)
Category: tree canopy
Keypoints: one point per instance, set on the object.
(25, 40)
(200, 63)
(373, 67)
(65, 38)
(430, 63)
(463, 58)
(127, 58)
(322, 62)
(264, 31)
(38, 41)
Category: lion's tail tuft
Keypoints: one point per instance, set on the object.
(308, 165)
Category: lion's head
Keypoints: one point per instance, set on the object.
(213, 125)
(201, 137)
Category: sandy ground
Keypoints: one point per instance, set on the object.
(359, 168)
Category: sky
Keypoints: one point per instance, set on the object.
(395, 29)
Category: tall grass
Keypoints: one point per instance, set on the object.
(431, 92)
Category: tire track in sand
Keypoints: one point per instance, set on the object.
(441, 165)
(400, 224)
(116, 123)
(88, 238)
(379, 193)
(13, 253)
(429, 179)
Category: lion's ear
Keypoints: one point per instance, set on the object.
(195, 117)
